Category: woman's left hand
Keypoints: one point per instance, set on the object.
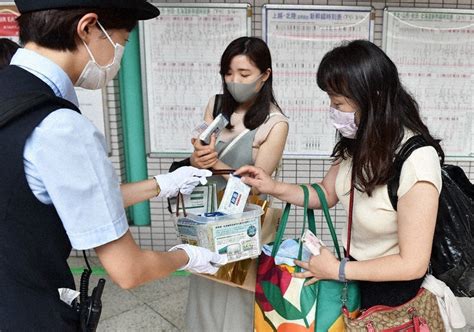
(321, 267)
(204, 156)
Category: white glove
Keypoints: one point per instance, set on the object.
(183, 180)
(201, 260)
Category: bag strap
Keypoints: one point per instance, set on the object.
(327, 215)
(308, 213)
(406, 150)
(234, 141)
(349, 223)
(345, 287)
(281, 229)
(309, 216)
(16, 106)
(284, 220)
(217, 106)
(180, 163)
(215, 112)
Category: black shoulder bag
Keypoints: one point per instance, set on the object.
(452, 256)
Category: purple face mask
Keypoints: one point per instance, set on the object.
(344, 122)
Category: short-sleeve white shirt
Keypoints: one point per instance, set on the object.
(374, 223)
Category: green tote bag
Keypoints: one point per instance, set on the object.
(283, 303)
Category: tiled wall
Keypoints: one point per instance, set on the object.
(161, 234)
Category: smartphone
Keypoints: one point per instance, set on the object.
(216, 126)
(311, 242)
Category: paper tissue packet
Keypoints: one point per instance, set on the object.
(235, 196)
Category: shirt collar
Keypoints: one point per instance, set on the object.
(48, 71)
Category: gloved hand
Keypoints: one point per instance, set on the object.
(201, 260)
(183, 180)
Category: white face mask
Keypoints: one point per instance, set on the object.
(95, 76)
(344, 122)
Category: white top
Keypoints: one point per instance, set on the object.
(374, 223)
(66, 164)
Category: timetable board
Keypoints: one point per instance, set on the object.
(181, 51)
(298, 37)
(434, 53)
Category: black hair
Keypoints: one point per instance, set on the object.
(56, 28)
(363, 73)
(7, 50)
(258, 53)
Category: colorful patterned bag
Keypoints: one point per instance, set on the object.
(284, 304)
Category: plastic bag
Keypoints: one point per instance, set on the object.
(452, 256)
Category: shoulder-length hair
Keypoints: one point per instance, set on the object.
(363, 73)
(259, 54)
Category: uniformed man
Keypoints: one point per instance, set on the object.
(58, 188)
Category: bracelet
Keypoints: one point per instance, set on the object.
(158, 189)
(342, 269)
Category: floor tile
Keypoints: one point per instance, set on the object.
(142, 318)
(173, 308)
(159, 288)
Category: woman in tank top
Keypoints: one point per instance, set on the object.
(256, 135)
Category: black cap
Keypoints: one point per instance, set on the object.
(140, 9)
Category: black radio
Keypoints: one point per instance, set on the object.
(89, 307)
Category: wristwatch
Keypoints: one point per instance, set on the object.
(342, 269)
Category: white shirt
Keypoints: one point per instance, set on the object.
(374, 222)
(66, 164)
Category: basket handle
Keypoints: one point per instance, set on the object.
(180, 198)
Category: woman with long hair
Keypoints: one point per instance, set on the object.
(374, 115)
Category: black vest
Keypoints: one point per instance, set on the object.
(34, 246)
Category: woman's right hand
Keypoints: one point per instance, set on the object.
(257, 178)
(204, 156)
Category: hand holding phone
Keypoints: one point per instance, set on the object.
(215, 127)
